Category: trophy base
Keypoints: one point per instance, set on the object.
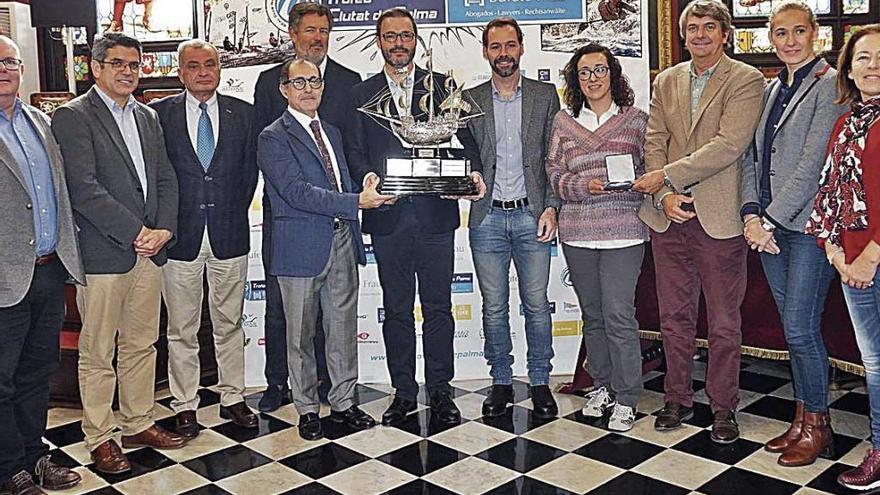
(436, 186)
(426, 173)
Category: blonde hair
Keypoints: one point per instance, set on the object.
(793, 5)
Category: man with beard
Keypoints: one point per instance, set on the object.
(412, 239)
(309, 26)
(516, 219)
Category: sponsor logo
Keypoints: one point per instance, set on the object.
(248, 321)
(462, 283)
(462, 334)
(544, 75)
(565, 277)
(568, 307)
(363, 336)
(255, 290)
(417, 314)
(380, 315)
(233, 85)
(261, 341)
(362, 316)
(370, 287)
(371, 256)
(463, 312)
(554, 248)
(478, 3)
(567, 328)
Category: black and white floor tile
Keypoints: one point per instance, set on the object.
(513, 454)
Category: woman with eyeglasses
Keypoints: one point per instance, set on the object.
(602, 237)
(846, 215)
(780, 177)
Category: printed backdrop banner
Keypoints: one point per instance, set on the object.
(548, 48)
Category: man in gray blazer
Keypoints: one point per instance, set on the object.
(124, 196)
(38, 250)
(516, 218)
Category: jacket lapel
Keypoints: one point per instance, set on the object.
(300, 133)
(226, 120)
(181, 127)
(769, 95)
(710, 91)
(528, 107)
(806, 85)
(9, 161)
(147, 148)
(109, 124)
(683, 94)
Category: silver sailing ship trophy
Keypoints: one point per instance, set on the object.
(429, 169)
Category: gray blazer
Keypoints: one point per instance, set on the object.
(107, 198)
(17, 225)
(799, 148)
(539, 105)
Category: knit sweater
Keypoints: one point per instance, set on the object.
(577, 155)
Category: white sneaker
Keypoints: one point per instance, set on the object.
(598, 401)
(622, 418)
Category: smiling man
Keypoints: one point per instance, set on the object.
(703, 115)
(124, 196)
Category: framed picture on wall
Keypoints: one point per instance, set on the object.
(149, 20)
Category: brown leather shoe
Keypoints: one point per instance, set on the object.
(155, 437)
(817, 439)
(108, 458)
(240, 414)
(724, 427)
(51, 476)
(672, 415)
(20, 483)
(781, 443)
(866, 476)
(186, 425)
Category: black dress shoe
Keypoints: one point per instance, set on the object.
(543, 403)
(354, 418)
(443, 407)
(185, 424)
(398, 410)
(310, 427)
(51, 476)
(274, 397)
(240, 414)
(499, 398)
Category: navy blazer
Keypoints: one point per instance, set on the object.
(304, 203)
(369, 144)
(220, 197)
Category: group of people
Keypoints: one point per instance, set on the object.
(139, 203)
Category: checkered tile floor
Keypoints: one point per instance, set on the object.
(513, 454)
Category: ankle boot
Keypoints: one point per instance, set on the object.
(817, 439)
(781, 443)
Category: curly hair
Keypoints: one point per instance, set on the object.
(621, 92)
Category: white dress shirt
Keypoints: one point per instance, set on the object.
(127, 124)
(194, 113)
(305, 120)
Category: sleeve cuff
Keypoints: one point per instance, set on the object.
(751, 209)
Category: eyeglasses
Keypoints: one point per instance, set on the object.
(120, 65)
(405, 36)
(599, 71)
(11, 63)
(300, 82)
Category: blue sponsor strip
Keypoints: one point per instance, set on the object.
(482, 11)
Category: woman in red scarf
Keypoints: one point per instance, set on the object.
(846, 219)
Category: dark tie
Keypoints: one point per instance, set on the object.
(315, 126)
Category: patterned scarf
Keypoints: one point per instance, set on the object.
(840, 203)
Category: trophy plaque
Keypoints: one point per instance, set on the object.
(430, 168)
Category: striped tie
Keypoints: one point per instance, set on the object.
(205, 137)
(315, 126)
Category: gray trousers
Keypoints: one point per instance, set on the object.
(605, 283)
(336, 289)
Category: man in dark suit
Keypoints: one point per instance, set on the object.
(124, 197)
(216, 183)
(516, 220)
(309, 26)
(413, 239)
(317, 246)
(38, 249)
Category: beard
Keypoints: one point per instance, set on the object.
(398, 63)
(507, 72)
(314, 53)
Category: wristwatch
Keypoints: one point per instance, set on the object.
(667, 182)
(659, 204)
(767, 225)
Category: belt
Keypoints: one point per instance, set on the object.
(510, 205)
(338, 224)
(45, 259)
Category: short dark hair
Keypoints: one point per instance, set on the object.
(285, 69)
(847, 91)
(621, 92)
(396, 12)
(106, 41)
(305, 8)
(501, 22)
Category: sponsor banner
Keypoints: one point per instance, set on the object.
(524, 11)
(567, 328)
(462, 283)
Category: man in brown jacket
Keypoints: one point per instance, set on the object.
(703, 115)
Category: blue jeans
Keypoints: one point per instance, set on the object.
(864, 309)
(799, 277)
(501, 236)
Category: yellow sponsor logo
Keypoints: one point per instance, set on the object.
(418, 314)
(567, 328)
(463, 312)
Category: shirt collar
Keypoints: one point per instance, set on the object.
(15, 112)
(707, 74)
(111, 104)
(517, 94)
(192, 100)
(302, 118)
(410, 79)
(799, 75)
(612, 110)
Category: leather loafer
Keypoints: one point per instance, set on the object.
(724, 427)
(185, 424)
(354, 417)
(51, 476)
(543, 404)
(156, 437)
(240, 414)
(274, 397)
(310, 427)
(499, 398)
(109, 459)
(672, 415)
(444, 408)
(21, 483)
(398, 410)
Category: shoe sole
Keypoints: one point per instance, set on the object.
(146, 445)
(723, 442)
(545, 416)
(230, 418)
(865, 488)
(498, 414)
(108, 471)
(610, 428)
(61, 487)
(677, 426)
